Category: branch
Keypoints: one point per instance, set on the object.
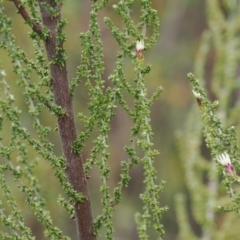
(66, 124)
(36, 27)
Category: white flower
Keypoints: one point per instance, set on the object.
(139, 49)
(140, 45)
(197, 95)
(225, 160)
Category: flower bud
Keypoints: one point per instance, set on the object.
(139, 49)
(225, 160)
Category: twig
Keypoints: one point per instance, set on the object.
(36, 27)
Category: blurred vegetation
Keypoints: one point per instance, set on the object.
(178, 47)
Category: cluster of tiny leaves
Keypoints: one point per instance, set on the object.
(103, 101)
(215, 126)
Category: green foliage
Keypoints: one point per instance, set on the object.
(103, 101)
(35, 82)
(214, 123)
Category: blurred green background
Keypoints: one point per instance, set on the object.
(182, 24)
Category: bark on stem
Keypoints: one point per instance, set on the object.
(66, 124)
(36, 27)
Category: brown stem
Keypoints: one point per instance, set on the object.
(36, 27)
(66, 124)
